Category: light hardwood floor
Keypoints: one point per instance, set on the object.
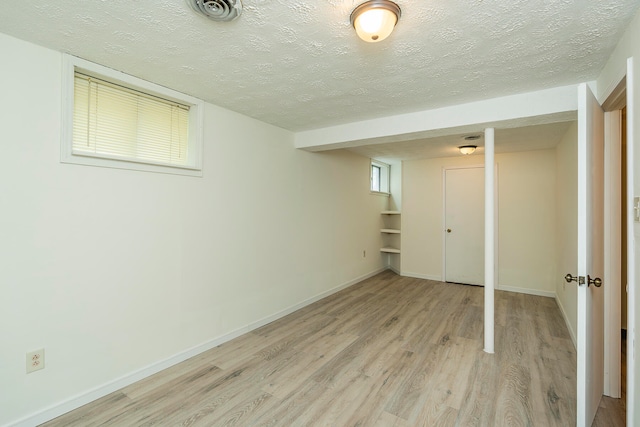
(613, 412)
(389, 351)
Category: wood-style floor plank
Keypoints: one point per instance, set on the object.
(389, 351)
(612, 412)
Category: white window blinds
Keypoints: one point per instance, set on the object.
(112, 121)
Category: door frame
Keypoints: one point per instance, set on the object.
(612, 254)
(444, 212)
(617, 95)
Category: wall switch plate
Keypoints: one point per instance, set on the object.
(35, 360)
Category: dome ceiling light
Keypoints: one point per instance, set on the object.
(467, 149)
(374, 20)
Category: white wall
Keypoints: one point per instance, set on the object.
(112, 271)
(628, 47)
(395, 184)
(567, 229)
(526, 212)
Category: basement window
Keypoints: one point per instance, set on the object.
(115, 120)
(379, 177)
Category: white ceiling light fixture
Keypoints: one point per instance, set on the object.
(217, 10)
(467, 149)
(374, 20)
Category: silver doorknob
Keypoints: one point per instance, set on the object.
(597, 282)
(569, 278)
(448, 230)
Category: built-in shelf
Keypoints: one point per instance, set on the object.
(392, 221)
(390, 250)
(390, 231)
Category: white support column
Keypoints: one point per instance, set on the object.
(489, 237)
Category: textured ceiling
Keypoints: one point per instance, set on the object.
(299, 65)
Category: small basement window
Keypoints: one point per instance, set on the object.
(116, 120)
(379, 177)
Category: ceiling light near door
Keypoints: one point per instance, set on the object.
(467, 149)
(374, 20)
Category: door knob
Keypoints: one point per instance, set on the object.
(597, 282)
(569, 278)
(448, 230)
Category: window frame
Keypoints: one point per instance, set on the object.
(71, 64)
(376, 177)
(385, 173)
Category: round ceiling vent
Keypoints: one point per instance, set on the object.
(217, 10)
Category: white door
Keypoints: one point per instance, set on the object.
(464, 225)
(590, 334)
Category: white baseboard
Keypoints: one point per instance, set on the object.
(566, 321)
(82, 399)
(527, 291)
(289, 310)
(395, 270)
(79, 400)
(422, 276)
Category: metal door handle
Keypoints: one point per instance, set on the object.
(448, 230)
(569, 278)
(597, 282)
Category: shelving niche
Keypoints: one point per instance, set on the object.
(391, 232)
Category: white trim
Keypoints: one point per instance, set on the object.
(423, 276)
(79, 400)
(505, 288)
(631, 245)
(318, 297)
(611, 96)
(395, 270)
(566, 321)
(527, 291)
(70, 64)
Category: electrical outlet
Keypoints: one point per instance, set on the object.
(35, 360)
